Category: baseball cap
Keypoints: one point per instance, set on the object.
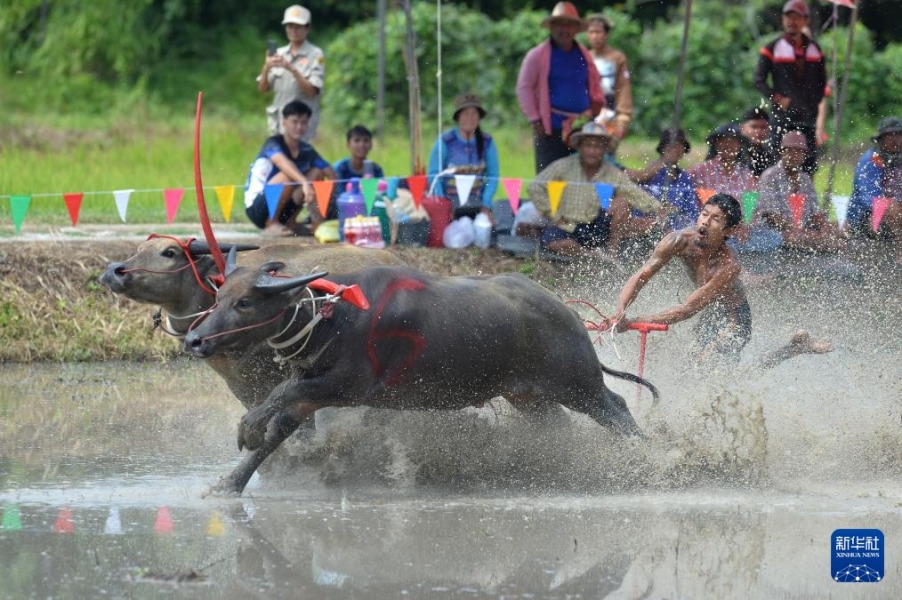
(297, 15)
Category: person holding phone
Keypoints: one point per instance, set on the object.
(293, 72)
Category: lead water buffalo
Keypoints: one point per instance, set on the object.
(425, 342)
(178, 276)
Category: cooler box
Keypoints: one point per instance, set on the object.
(439, 210)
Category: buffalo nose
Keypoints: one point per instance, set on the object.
(193, 342)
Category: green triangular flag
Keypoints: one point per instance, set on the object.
(18, 207)
(12, 521)
(749, 202)
(368, 187)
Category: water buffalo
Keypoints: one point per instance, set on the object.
(426, 342)
(177, 276)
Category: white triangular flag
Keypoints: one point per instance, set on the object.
(122, 197)
(840, 207)
(113, 524)
(464, 185)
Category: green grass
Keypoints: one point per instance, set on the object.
(95, 155)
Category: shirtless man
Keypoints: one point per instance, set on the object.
(726, 326)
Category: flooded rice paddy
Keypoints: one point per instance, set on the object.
(735, 492)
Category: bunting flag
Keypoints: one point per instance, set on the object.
(464, 185)
(73, 204)
(555, 189)
(113, 525)
(226, 196)
(797, 206)
(368, 186)
(391, 189)
(840, 209)
(704, 194)
(122, 197)
(172, 197)
(18, 208)
(749, 203)
(323, 191)
(272, 192)
(64, 522)
(604, 191)
(12, 520)
(417, 185)
(512, 187)
(163, 522)
(215, 526)
(846, 3)
(878, 208)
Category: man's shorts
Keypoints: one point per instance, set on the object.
(725, 331)
(258, 211)
(593, 234)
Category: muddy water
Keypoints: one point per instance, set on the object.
(735, 494)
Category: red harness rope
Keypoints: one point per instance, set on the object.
(192, 263)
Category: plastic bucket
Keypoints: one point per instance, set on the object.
(439, 210)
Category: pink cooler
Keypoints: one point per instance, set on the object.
(439, 211)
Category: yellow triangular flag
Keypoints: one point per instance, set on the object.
(555, 189)
(226, 195)
(215, 526)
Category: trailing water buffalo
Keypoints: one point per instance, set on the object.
(426, 342)
(178, 275)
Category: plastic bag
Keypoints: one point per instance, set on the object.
(482, 231)
(459, 233)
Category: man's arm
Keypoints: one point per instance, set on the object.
(666, 249)
(762, 71)
(720, 282)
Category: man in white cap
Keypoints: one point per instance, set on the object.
(557, 83)
(579, 224)
(792, 74)
(293, 72)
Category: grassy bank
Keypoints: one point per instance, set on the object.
(55, 154)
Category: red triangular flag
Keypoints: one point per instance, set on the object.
(797, 206)
(878, 208)
(64, 523)
(172, 197)
(163, 523)
(417, 186)
(512, 187)
(704, 194)
(73, 203)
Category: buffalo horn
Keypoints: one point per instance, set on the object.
(271, 286)
(198, 247)
(231, 261)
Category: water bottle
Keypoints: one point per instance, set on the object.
(350, 204)
(483, 226)
(380, 211)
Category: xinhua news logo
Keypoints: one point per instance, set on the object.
(857, 555)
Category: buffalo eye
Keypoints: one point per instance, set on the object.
(244, 303)
(168, 253)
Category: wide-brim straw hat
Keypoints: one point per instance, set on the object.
(887, 126)
(564, 11)
(590, 129)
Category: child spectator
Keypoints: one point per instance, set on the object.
(360, 142)
(668, 182)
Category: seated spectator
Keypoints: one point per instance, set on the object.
(287, 159)
(666, 181)
(757, 154)
(721, 170)
(580, 225)
(360, 142)
(774, 211)
(466, 150)
(879, 175)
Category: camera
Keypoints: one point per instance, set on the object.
(271, 47)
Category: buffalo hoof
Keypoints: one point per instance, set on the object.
(252, 429)
(225, 488)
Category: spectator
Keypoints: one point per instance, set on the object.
(879, 175)
(613, 69)
(466, 150)
(722, 171)
(294, 72)
(360, 142)
(286, 159)
(778, 185)
(797, 71)
(580, 222)
(758, 154)
(666, 181)
(557, 83)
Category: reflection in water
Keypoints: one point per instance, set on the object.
(734, 494)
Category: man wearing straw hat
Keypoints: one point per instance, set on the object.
(557, 83)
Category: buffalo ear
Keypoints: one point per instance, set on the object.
(270, 286)
(272, 266)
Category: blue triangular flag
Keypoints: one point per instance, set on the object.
(391, 187)
(273, 192)
(605, 192)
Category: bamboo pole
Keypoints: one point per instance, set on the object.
(380, 73)
(681, 74)
(413, 85)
